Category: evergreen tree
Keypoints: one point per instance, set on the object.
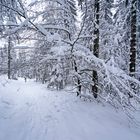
(58, 21)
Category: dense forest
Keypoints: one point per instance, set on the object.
(93, 46)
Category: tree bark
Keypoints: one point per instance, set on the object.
(9, 57)
(133, 39)
(78, 80)
(96, 47)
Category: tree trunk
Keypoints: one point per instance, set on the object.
(9, 57)
(133, 39)
(78, 80)
(133, 42)
(96, 47)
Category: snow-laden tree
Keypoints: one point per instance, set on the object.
(96, 34)
(126, 22)
(57, 20)
(10, 12)
(114, 84)
(122, 33)
(9, 16)
(106, 30)
(127, 26)
(3, 60)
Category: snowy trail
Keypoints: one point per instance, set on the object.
(28, 111)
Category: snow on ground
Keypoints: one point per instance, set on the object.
(28, 111)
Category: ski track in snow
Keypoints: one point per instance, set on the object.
(28, 111)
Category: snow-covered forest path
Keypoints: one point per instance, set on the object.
(28, 111)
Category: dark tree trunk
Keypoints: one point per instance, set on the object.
(78, 80)
(133, 42)
(96, 47)
(9, 58)
(133, 39)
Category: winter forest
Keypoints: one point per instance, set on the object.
(69, 69)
